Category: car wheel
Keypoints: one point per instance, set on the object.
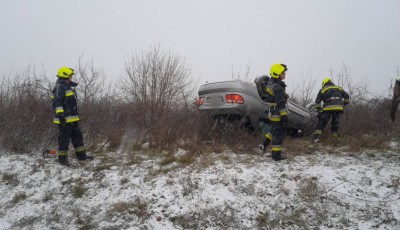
(313, 112)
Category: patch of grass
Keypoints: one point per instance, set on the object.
(106, 161)
(83, 219)
(69, 181)
(9, 178)
(309, 189)
(129, 210)
(124, 181)
(290, 218)
(134, 160)
(54, 218)
(188, 186)
(223, 217)
(206, 162)
(168, 160)
(187, 159)
(358, 143)
(262, 219)
(185, 221)
(102, 167)
(26, 222)
(88, 227)
(18, 198)
(154, 173)
(299, 146)
(78, 191)
(153, 152)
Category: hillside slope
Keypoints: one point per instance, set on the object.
(331, 189)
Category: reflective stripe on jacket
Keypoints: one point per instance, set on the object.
(276, 96)
(64, 101)
(334, 98)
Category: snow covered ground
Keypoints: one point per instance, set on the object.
(332, 189)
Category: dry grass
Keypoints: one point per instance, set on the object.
(26, 222)
(9, 178)
(128, 124)
(78, 191)
(224, 217)
(18, 198)
(309, 189)
(357, 144)
(136, 210)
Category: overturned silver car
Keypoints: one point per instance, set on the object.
(240, 101)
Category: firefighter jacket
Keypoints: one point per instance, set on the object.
(276, 97)
(64, 102)
(334, 98)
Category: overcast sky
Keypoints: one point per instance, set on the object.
(216, 37)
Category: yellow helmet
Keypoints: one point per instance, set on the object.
(65, 72)
(277, 70)
(326, 80)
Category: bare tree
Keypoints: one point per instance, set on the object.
(91, 81)
(358, 91)
(305, 89)
(246, 74)
(155, 82)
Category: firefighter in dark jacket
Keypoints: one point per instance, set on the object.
(66, 116)
(277, 111)
(395, 99)
(334, 99)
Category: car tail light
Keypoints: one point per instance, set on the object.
(200, 101)
(234, 98)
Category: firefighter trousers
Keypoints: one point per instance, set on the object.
(70, 131)
(323, 119)
(278, 134)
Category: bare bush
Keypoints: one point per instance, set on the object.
(158, 97)
(358, 91)
(25, 123)
(91, 81)
(366, 113)
(101, 110)
(156, 105)
(156, 82)
(305, 90)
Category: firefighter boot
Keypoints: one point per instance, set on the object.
(264, 145)
(317, 138)
(81, 155)
(63, 160)
(277, 156)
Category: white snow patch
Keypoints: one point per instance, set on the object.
(146, 145)
(236, 191)
(393, 144)
(180, 152)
